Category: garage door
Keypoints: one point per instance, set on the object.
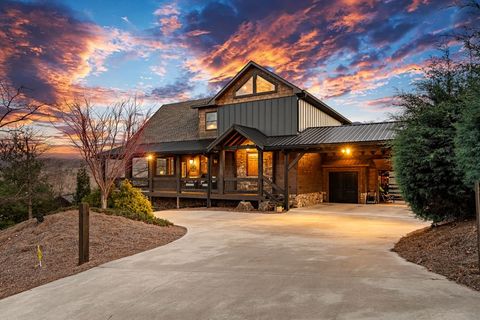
(343, 187)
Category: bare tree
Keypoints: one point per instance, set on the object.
(102, 134)
(15, 107)
(20, 150)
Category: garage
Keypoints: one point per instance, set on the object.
(343, 187)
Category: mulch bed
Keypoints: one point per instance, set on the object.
(450, 250)
(111, 237)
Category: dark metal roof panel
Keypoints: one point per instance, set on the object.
(368, 132)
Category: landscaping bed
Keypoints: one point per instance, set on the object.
(111, 237)
(450, 250)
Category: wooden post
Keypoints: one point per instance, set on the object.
(178, 172)
(150, 173)
(83, 233)
(260, 174)
(477, 206)
(221, 170)
(209, 183)
(285, 181)
(129, 169)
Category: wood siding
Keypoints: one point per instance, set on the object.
(228, 96)
(309, 116)
(273, 117)
(202, 132)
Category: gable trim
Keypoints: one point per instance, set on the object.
(243, 70)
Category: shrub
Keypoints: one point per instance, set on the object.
(83, 185)
(149, 219)
(131, 199)
(93, 199)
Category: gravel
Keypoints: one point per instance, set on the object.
(111, 237)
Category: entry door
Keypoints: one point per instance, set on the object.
(343, 187)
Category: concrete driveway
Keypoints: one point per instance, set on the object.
(326, 262)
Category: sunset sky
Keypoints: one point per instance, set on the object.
(355, 55)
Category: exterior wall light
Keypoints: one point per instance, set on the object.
(149, 157)
(347, 151)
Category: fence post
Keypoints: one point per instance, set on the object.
(477, 206)
(83, 233)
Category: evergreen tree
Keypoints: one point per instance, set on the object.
(424, 148)
(83, 185)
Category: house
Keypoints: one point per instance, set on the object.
(261, 138)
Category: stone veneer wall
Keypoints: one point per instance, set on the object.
(241, 162)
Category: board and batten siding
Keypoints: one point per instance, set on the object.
(309, 116)
(273, 117)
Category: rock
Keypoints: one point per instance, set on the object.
(308, 199)
(245, 206)
(266, 206)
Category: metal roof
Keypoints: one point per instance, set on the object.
(249, 133)
(369, 132)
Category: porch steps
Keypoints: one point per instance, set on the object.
(393, 187)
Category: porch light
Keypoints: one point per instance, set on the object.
(347, 151)
(190, 161)
(149, 157)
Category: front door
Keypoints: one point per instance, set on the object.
(343, 187)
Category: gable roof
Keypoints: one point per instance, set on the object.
(247, 132)
(243, 70)
(173, 122)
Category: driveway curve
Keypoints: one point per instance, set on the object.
(323, 262)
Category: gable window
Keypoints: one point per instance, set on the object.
(263, 85)
(165, 166)
(211, 120)
(256, 84)
(246, 89)
(252, 164)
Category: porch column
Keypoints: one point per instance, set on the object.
(285, 181)
(178, 173)
(209, 183)
(221, 169)
(150, 173)
(260, 173)
(129, 169)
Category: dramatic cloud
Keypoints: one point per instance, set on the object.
(48, 50)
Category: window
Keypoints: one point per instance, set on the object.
(139, 168)
(246, 89)
(263, 85)
(165, 166)
(255, 85)
(211, 120)
(252, 164)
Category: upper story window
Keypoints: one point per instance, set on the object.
(165, 166)
(256, 84)
(211, 120)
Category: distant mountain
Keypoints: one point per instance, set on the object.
(61, 173)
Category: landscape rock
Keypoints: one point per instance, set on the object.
(245, 206)
(266, 206)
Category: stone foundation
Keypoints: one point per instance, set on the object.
(308, 199)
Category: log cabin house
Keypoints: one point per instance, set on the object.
(260, 138)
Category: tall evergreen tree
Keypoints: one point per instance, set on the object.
(83, 185)
(424, 149)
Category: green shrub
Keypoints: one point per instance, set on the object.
(83, 185)
(93, 199)
(130, 199)
(149, 219)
